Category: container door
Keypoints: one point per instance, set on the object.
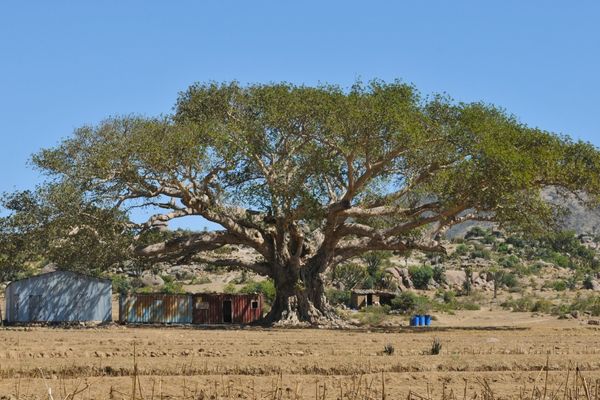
(201, 309)
(35, 305)
(227, 312)
(255, 313)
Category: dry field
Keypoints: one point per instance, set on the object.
(258, 363)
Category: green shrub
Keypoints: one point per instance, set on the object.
(121, 284)
(388, 349)
(526, 270)
(243, 278)
(510, 261)
(561, 260)
(530, 304)
(515, 241)
(571, 282)
(230, 288)
(588, 282)
(524, 304)
(436, 347)
(202, 280)
(338, 297)
(476, 231)
(369, 282)
(421, 276)
(172, 288)
(439, 274)
(215, 268)
(509, 280)
(461, 249)
(447, 296)
(409, 302)
(468, 283)
(502, 248)
(373, 315)
(543, 306)
(589, 304)
(450, 302)
(265, 287)
(489, 239)
(350, 274)
(223, 250)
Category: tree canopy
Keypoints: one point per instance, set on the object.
(308, 177)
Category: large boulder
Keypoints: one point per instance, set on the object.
(432, 284)
(150, 279)
(51, 267)
(595, 285)
(401, 276)
(481, 282)
(455, 278)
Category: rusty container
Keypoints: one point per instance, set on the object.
(155, 308)
(220, 308)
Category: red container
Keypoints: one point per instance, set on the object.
(218, 308)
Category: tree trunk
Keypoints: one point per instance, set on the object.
(300, 300)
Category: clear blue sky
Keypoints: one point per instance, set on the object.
(64, 64)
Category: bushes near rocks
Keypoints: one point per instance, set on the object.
(409, 303)
(338, 297)
(421, 276)
(588, 304)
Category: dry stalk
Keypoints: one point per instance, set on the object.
(48, 388)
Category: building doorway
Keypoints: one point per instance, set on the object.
(227, 312)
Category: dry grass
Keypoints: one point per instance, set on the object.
(572, 386)
(175, 363)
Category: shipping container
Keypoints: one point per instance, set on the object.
(155, 308)
(218, 308)
(59, 296)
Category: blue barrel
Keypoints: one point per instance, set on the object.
(414, 320)
(421, 320)
(427, 320)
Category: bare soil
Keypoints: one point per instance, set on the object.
(507, 350)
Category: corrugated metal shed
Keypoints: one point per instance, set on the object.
(60, 296)
(157, 308)
(217, 308)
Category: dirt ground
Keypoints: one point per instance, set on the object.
(507, 350)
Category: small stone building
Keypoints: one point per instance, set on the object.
(60, 296)
(369, 297)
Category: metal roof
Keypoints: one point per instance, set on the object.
(372, 291)
(46, 274)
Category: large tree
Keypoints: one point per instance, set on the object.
(308, 177)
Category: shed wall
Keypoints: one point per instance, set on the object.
(155, 308)
(210, 308)
(359, 300)
(60, 296)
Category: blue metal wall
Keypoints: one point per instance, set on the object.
(59, 296)
(156, 308)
